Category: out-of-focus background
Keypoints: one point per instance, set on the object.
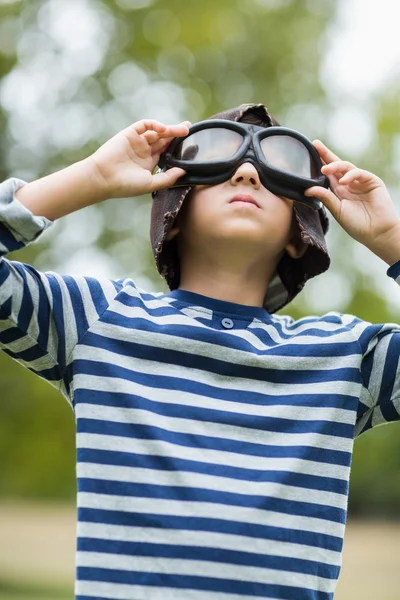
(75, 72)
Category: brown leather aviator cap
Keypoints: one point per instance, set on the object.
(291, 274)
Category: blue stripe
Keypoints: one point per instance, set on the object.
(217, 555)
(121, 400)
(29, 355)
(27, 307)
(4, 271)
(58, 316)
(283, 425)
(195, 494)
(97, 294)
(206, 583)
(79, 597)
(81, 321)
(386, 391)
(8, 240)
(161, 463)
(9, 336)
(187, 359)
(148, 432)
(43, 314)
(116, 318)
(369, 334)
(327, 399)
(193, 523)
(53, 374)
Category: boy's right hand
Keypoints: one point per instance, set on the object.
(123, 166)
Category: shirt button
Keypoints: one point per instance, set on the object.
(227, 323)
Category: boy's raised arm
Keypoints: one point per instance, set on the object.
(44, 315)
(122, 167)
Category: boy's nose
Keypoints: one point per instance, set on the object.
(247, 174)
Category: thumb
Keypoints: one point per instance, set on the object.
(166, 179)
(327, 197)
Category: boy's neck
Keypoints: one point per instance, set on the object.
(246, 287)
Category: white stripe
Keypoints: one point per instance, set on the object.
(241, 434)
(293, 411)
(17, 290)
(195, 311)
(189, 479)
(269, 360)
(377, 417)
(361, 423)
(88, 305)
(207, 539)
(203, 568)
(191, 427)
(215, 350)
(270, 328)
(115, 591)
(229, 432)
(69, 319)
(204, 455)
(26, 343)
(300, 325)
(216, 380)
(210, 510)
(378, 365)
(9, 283)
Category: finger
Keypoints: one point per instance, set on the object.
(325, 153)
(328, 199)
(160, 146)
(338, 166)
(147, 125)
(166, 179)
(355, 174)
(158, 140)
(144, 125)
(175, 130)
(151, 136)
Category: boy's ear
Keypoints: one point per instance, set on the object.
(296, 248)
(171, 234)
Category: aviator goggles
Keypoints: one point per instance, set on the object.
(286, 161)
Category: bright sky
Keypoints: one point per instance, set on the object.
(362, 54)
(365, 48)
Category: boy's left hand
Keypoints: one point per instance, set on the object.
(360, 203)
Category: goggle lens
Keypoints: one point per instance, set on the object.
(209, 145)
(288, 154)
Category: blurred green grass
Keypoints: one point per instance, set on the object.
(10, 590)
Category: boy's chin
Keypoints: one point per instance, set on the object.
(247, 232)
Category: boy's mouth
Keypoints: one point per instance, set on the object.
(244, 198)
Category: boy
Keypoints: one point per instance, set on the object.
(214, 438)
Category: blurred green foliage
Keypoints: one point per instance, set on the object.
(32, 591)
(178, 60)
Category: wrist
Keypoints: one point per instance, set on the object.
(63, 192)
(93, 180)
(388, 247)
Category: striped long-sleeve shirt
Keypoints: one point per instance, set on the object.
(214, 440)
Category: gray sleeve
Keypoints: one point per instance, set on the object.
(42, 315)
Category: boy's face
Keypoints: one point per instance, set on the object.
(239, 215)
